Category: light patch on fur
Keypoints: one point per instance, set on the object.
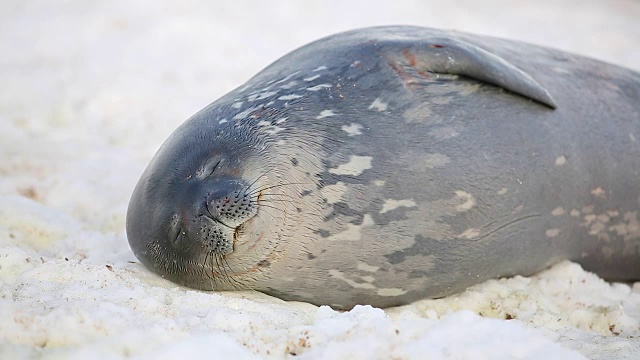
(551, 233)
(561, 160)
(366, 267)
(378, 105)
(311, 78)
(271, 129)
(353, 232)
(289, 85)
(632, 137)
(613, 213)
(599, 193)
(594, 224)
(319, 68)
(245, 113)
(289, 97)
(443, 133)
(274, 130)
(337, 274)
(379, 182)
(319, 87)
(629, 228)
(471, 233)
(432, 161)
(611, 223)
(287, 77)
(353, 129)
(558, 211)
(356, 166)
(574, 213)
(222, 121)
(469, 201)
(237, 105)
(502, 191)
(391, 204)
(325, 113)
(607, 251)
(334, 193)
(261, 96)
(391, 292)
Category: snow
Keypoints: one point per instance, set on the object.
(90, 90)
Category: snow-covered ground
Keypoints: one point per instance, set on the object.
(89, 90)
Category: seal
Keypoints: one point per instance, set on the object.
(386, 165)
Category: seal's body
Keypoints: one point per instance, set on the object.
(385, 165)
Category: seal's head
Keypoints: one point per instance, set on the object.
(197, 204)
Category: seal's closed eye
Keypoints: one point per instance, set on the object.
(209, 168)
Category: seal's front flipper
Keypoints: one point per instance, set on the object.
(456, 57)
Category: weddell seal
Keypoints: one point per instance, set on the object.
(385, 165)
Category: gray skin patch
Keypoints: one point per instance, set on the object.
(386, 165)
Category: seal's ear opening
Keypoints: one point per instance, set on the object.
(456, 57)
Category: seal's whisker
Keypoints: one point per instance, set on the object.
(214, 267)
(272, 207)
(260, 215)
(255, 181)
(285, 201)
(232, 280)
(279, 194)
(204, 269)
(223, 264)
(221, 267)
(215, 219)
(275, 186)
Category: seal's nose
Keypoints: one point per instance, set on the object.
(216, 220)
(231, 203)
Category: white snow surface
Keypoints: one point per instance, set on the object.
(89, 90)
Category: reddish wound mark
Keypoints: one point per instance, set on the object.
(411, 58)
(437, 46)
(410, 72)
(406, 79)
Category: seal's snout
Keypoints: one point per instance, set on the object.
(225, 206)
(231, 203)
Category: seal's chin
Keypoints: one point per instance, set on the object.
(198, 262)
